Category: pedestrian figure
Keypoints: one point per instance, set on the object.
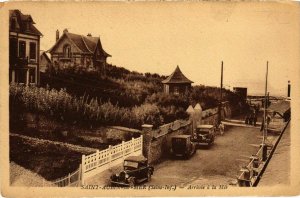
(268, 119)
(262, 125)
(250, 119)
(246, 119)
(221, 128)
(254, 119)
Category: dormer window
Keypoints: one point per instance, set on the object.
(27, 25)
(67, 51)
(13, 23)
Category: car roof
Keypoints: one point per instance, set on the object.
(181, 136)
(205, 126)
(139, 158)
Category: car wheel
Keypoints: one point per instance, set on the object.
(131, 182)
(149, 176)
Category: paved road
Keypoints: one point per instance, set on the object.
(218, 165)
(278, 169)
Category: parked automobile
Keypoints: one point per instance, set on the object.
(136, 170)
(182, 146)
(204, 135)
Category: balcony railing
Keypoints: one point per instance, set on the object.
(18, 62)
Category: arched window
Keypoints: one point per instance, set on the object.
(67, 51)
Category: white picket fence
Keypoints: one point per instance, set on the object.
(71, 180)
(246, 176)
(102, 160)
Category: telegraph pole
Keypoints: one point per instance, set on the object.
(265, 105)
(289, 89)
(264, 153)
(220, 103)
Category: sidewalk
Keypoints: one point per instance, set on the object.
(278, 169)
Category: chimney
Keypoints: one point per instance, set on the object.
(289, 89)
(57, 35)
(89, 34)
(65, 30)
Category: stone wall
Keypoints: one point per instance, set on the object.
(122, 133)
(208, 116)
(157, 142)
(156, 149)
(212, 119)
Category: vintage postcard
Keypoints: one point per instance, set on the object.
(182, 98)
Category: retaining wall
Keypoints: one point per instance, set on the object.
(160, 146)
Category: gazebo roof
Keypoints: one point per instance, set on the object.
(177, 77)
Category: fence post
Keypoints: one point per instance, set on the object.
(141, 144)
(69, 179)
(97, 158)
(109, 156)
(79, 175)
(82, 169)
(123, 154)
(132, 144)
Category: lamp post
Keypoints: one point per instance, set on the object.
(264, 152)
(220, 102)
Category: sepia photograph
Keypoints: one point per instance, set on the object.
(149, 98)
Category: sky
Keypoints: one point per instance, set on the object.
(156, 37)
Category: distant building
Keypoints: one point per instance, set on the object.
(176, 83)
(45, 61)
(289, 91)
(241, 91)
(24, 47)
(279, 113)
(74, 50)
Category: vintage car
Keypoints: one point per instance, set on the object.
(204, 135)
(182, 146)
(136, 170)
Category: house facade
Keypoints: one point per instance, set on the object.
(177, 83)
(45, 61)
(24, 47)
(74, 50)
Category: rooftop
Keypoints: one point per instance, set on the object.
(136, 158)
(177, 77)
(181, 136)
(87, 44)
(22, 23)
(280, 107)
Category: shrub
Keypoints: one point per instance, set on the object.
(120, 86)
(148, 113)
(84, 111)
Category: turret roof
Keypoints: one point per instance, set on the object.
(177, 77)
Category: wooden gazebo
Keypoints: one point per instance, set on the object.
(176, 83)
